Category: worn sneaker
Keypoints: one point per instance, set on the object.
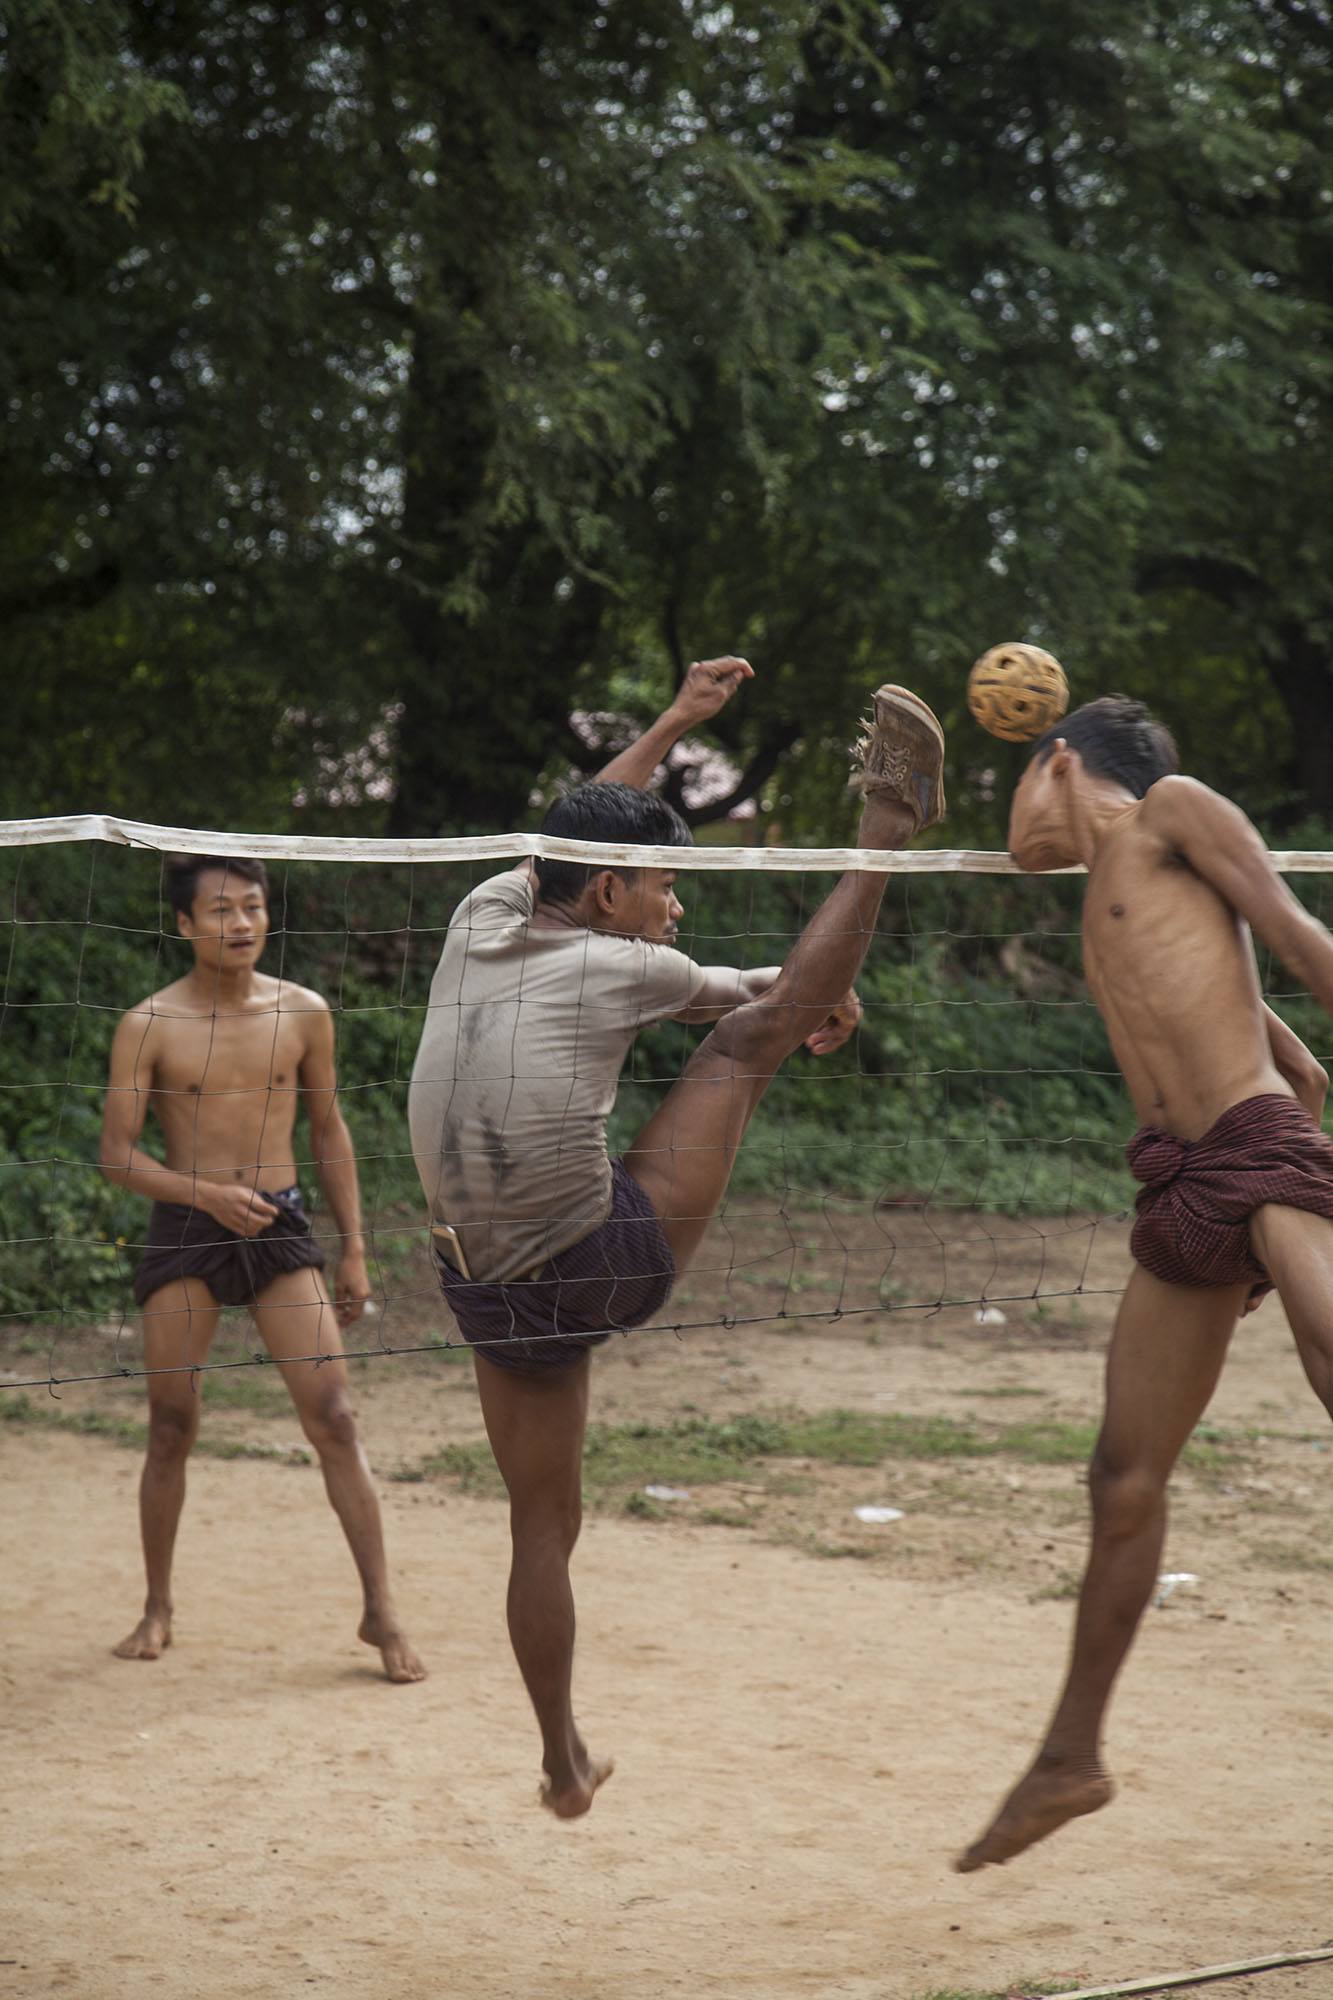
(901, 755)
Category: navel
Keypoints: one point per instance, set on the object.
(1117, 909)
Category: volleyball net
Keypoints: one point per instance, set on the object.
(963, 1151)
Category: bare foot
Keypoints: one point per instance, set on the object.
(574, 1794)
(149, 1639)
(400, 1660)
(1051, 1793)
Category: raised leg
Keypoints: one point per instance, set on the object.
(178, 1326)
(684, 1155)
(536, 1426)
(296, 1319)
(1165, 1357)
(1297, 1250)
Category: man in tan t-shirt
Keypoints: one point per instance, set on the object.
(544, 1244)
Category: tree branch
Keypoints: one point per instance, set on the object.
(756, 773)
(1231, 583)
(63, 593)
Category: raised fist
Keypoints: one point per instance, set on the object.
(709, 686)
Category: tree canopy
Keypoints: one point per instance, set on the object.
(385, 385)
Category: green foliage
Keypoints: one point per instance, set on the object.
(382, 385)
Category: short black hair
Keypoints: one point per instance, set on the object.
(184, 870)
(605, 812)
(1116, 738)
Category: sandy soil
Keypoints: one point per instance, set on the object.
(802, 1742)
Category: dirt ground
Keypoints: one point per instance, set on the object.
(810, 1714)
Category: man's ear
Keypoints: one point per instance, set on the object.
(184, 923)
(1061, 759)
(607, 888)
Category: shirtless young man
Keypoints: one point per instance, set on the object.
(543, 1243)
(221, 1057)
(1238, 1177)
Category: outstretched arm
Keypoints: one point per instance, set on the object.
(1224, 849)
(725, 988)
(705, 690)
(1292, 1060)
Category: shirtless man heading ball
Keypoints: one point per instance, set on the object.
(221, 1058)
(1237, 1177)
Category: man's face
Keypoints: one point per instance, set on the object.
(644, 905)
(228, 921)
(1039, 832)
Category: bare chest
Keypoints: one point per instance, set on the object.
(228, 1055)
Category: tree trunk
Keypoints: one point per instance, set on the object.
(1302, 673)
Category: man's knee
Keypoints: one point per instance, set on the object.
(328, 1421)
(1126, 1498)
(760, 1035)
(544, 1516)
(172, 1428)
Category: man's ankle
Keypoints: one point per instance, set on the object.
(886, 823)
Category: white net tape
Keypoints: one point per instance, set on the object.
(515, 846)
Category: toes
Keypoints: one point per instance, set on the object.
(978, 1855)
(404, 1671)
(139, 1647)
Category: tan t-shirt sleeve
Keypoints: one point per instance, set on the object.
(667, 983)
(501, 900)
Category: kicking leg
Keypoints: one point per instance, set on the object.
(1165, 1357)
(295, 1317)
(1297, 1251)
(536, 1424)
(684, 1155)
(178, 1326)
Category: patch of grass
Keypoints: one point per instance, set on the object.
(1058, 1312)
(48, 1416)
(1290, 1556)
(125, 1431)
(851, 1437)
(1066, 1585)
(252, 1389)
(1021, 1989)
(470, 1464)
(233, 1448)
(1025, 1991)
(1049, 1444)
(696, 1451)
(1002, 1390)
